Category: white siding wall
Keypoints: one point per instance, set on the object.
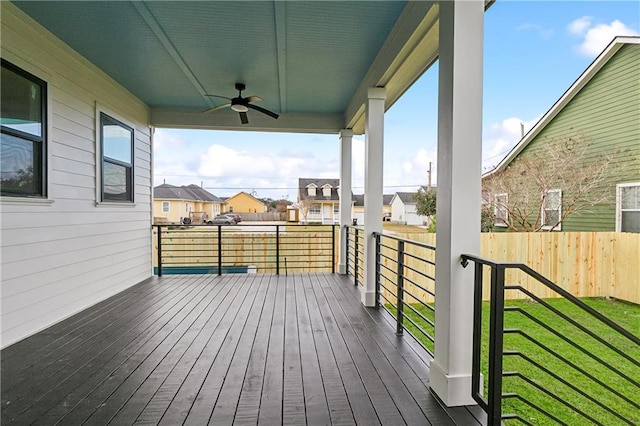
(61, 256)
(397, 210)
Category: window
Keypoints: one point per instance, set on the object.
(117, 160)
(500, 209)
(552, 210)
(23, 137)
(314, 210)
(311, 190)
(336, 209)
(230, 209)
(326, 190)
(628, 207)
(165, 207)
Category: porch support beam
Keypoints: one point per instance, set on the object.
(458, 207)
(346, 136)
(374, 141)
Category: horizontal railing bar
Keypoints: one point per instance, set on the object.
(426, 305)
(415, 257)
(576, 367)
(561, 380)
(406, 241)
(576, 345)
(425, 319)
(420, 273)
(532, 405)
(578, 325)
(420, 287)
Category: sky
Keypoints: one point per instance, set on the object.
(534, 51)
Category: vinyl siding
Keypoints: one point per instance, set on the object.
(61, 257)
(607, 110)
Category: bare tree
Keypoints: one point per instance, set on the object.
(304, 204)
(525, 194)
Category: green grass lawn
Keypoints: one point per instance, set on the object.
(624, 314)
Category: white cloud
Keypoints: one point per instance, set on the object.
(595, 37)
(544, 33)
(579, 26)
(501, 137)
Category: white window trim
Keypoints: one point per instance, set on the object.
(98, 144)
(168, 207)
(312, 189)
(619, 202)
(559, 226)
(495, 210)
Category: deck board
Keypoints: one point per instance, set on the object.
(232, 349)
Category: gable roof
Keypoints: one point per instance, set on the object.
(359, 199)
(406, 197)
(189, 192)
(602, 59)
(303, 183)
(245, 193)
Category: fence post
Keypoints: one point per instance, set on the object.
(333, 248)
(277, 249)
(378, 237)
(219, 249)
(400, 288)
(496, 335)
(159, 251)
(355, 260)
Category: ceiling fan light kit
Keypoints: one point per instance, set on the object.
(241, 105)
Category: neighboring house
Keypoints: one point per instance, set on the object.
(403, 209)
(358, 207)
(318, 200)
(174, 203)
(603, 104)
(245, 203)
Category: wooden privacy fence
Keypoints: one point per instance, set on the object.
(587, 264)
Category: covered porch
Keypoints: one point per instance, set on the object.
(231, 349)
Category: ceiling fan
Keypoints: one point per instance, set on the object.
(241, 105)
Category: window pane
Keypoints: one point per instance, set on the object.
(630, 222)
(630, 197)
(116, 182)
(551, 217)
(20, 166)
(21, 103)
(117, 142)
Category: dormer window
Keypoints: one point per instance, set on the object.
(326, 190)
(311, 190)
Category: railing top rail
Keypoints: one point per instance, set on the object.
(406, 240)
(550, 284)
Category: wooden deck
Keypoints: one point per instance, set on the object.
(235, 349)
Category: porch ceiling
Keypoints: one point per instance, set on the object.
(311, 62)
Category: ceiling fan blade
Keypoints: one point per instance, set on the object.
(243, 117)
(253, 99)
(263, 110)
(215, 108)
(218, 96)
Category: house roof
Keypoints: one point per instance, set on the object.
(386, 199)
(245, 193)
(568, 95)
(303, 183)
(406, 197)
(189, 192)
(310, 61)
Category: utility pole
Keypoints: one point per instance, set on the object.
(429, 177)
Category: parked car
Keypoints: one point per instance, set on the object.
(237, 217)
(222, 219)
(386, 217)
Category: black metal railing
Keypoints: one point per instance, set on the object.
(261, 248)
(355, 253)
(547, 363)
(405, 285)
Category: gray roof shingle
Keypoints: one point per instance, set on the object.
(188, 192)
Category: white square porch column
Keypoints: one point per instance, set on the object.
(374, 138)
(458, 207)
(346, 136)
